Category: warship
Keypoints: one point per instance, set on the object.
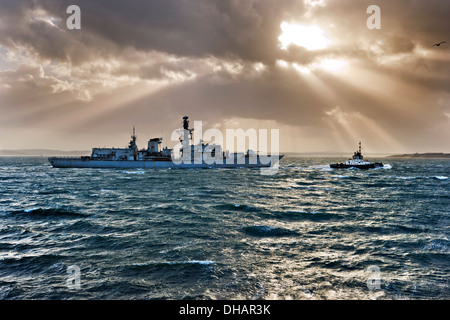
(191, 155)
(357, 162)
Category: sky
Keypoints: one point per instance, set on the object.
(310, 68)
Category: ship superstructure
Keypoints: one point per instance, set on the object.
(131, 153)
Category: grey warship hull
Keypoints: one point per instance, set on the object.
(59, 162)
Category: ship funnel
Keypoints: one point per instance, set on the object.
(186, 123)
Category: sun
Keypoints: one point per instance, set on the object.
(310, 37)
(332, 65)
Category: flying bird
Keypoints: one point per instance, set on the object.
(438, 44)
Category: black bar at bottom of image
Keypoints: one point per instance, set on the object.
(220, 309)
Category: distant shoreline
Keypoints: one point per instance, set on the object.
(41, 153)
(430, 155)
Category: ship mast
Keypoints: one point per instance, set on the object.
(184, 139)
(133, 145)
(187, 132)
(133, 139)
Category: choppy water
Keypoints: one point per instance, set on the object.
(308, 232)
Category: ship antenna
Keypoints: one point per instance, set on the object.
(134, 134)
(360, 147)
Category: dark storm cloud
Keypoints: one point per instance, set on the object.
(247, 29)
(30, 25)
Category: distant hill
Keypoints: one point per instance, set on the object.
(436, 155)
(330, 154)
(42, 152)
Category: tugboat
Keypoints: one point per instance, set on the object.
(357, 162)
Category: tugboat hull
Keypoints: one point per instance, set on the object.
(359, 166)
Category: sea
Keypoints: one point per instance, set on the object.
(308, 232)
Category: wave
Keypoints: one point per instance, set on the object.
(421, 177)
(354, 177)
(32, 262)
(153, 263)
(406, 178)
(52, 191)
(9, 177)
(313, 188)
(133, 172)
(237, 207)
(200, 262)
(305, 215)
(268, 231)
(49, 212)
(438, 245)
(321, 167)
(158, 268)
